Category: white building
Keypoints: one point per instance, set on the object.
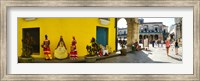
(153, 31)
(122, 32)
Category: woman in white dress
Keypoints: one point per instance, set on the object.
(146, 43)
(61, 50)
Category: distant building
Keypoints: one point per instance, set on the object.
(122, 32)
(153, 31)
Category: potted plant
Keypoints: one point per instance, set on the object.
(91, 56)
(27, 49)
(92, 51)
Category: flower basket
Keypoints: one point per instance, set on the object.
(90, 59)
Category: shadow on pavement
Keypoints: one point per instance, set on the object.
(146, 58)
(175, 58)
(131, 57)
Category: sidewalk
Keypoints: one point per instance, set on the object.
(154, 55)
(160, 54)
(79, 60)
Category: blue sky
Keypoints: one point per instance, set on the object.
(166, 21)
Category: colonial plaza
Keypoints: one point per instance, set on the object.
(76, 35)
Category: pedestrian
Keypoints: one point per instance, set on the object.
(124, 41)
(146, 44)
(167, 46)
(162, 43)
(152, 43)
(158, 42)
(176, 47)
(143, 43)
(120, 41)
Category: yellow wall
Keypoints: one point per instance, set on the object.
(82, 28)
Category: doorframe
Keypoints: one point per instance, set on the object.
(116, 39)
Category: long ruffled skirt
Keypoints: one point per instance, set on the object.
(60, 53)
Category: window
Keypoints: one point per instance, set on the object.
(105, 19)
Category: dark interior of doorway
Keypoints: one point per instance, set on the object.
(35, 34)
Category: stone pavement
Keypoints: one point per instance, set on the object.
(153, 55)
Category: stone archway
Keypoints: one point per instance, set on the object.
(132, 30)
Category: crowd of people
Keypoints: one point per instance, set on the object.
(155, 43)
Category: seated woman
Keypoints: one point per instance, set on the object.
(137, 46)
(61, 50)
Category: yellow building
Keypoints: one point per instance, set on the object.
(83, 29)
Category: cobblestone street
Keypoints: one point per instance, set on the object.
(153, 55)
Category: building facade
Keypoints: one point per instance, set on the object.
(178, 24)
(83, 29)
(172, 32)
(122, 33)
(153, 31)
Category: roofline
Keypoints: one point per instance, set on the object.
(152, 23)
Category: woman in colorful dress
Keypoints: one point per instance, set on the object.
(61, 50)
(73, 52)
(46, 48)
(167, 45)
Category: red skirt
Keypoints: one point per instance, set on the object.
(73, 54)
(47, 51)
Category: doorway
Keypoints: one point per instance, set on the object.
(102, 35)
(35, 34)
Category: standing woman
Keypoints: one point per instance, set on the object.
(167, 46)
(73, 52)
(146, 44)
(162, 43)
(46, 48)
(61, 50)
(176, 47)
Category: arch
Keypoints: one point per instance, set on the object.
(121, 22)
(156, 37)
(146, 36)
(122, 30)
(140, 38)
(156, 29)
(132, 30)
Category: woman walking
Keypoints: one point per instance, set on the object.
(176, 47)
(167, 46)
